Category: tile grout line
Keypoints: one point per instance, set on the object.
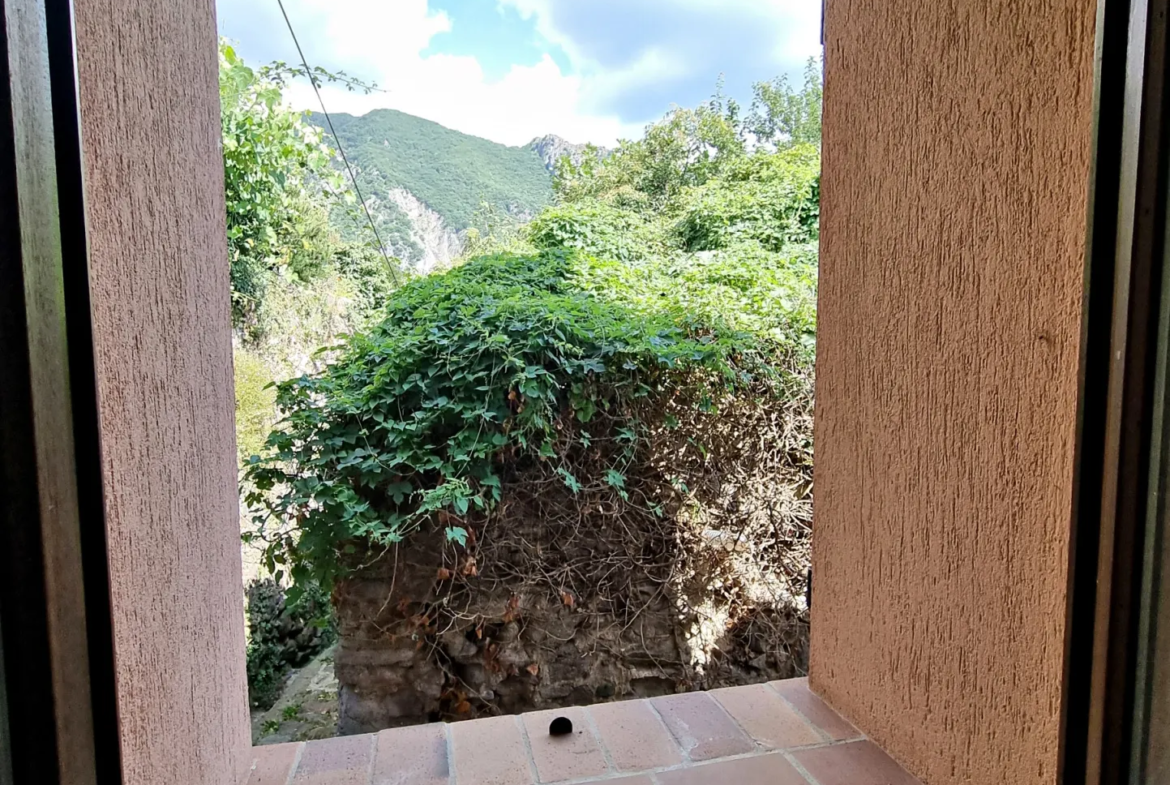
(800, 769)
(373, 756)
(609, 763)
(653, 774)
(527, 742)
(292, 772)
(449, 746)
(662, 721)
(816, 728)
(858, 733)
(248, 772)
(756, 742)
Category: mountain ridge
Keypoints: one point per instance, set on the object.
(424, 182)
(551, 148)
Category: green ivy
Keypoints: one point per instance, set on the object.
(597, 229)
(282, 636)
(772, 199)
(502, 360)
(280, 184)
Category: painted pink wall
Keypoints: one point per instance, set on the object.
(954, 198)
(155, 209)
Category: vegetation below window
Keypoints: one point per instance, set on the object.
(510, 359)
(680, 267)
(281, 637)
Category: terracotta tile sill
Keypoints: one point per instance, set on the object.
(778, 733)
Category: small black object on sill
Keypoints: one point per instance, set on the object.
(561, 726)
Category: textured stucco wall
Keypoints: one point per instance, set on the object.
(154, 188)
(956, 155)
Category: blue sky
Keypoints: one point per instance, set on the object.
(510, 70)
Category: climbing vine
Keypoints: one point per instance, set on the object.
(505, 361)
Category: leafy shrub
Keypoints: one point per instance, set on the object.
(597, 229)
(768, 298)
(495, 231)
(685, 148)
(255, 403)
(373, 278)
(772, 199)
(782, 115)
(280, 184)
(270, 155)
(506, 360)
(282, 637)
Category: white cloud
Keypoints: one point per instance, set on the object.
(528, 101)
(387, 47)
(649, 53)
(667, 51)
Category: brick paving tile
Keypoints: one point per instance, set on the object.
(490, 752)
(767, 718)
(796, 692)
(629, 736)
(853, 763)
(416, 755)
(635, 737)
(568, 757)
(702, 728)
(341, 761)
(272, 764)
(771, 769)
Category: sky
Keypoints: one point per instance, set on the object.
(511, 70)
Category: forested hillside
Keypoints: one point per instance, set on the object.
(451, 172)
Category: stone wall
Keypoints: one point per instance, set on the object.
(424, 637)
(691, 576)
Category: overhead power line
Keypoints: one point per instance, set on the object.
(337, 140)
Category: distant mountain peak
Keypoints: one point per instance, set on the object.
(551, 148)
(424, 182)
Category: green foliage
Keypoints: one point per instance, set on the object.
(283, 194)
(282, 635)
(274, 167)
(294, 327)
(680, 268)
(496, 362)
(255, 403)
(684, 149)
(597, 229)
(770, 199)
(763, 301)
(299, 323)
(495, 231)
(690, 147)
(781, 115)
(451, 172)
(371, 276)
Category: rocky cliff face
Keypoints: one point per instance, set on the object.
(551, 147)
(439, 244)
